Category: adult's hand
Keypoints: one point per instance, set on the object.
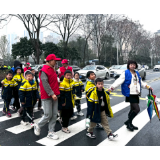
(63, 104)
(54, 97)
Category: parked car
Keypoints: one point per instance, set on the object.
(100, 71)
(146, 67)
(38, 67)
(156, 68)
(75, 68)
(140, 69)
(114, 69)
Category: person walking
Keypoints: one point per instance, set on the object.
(49, 89)
(65, 67)
(27, 67)
(131, 84)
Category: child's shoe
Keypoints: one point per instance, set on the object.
(4, 112)
(99, 126)
(73, 118)
(32, 125)
(52, 135)
(112, 136)
(65, 130)
(80, 113)
(23, 123)
(12, 108)
(8, 114)
(90, 135)
(37, 130)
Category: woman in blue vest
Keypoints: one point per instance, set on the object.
(131, 84)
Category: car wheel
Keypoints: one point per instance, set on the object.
(107, 76)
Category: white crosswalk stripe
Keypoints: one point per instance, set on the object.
(124, 136)
(75, 128)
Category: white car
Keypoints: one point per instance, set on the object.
(114, 69)
(99, 70)
(156, 68)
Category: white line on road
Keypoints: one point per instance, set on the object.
(124, 136)
(76, 128)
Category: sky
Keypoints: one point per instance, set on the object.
(149, 21)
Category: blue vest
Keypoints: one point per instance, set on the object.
(127, 82)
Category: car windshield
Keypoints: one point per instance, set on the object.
(124, 67)
(89, 68)
(117, 67)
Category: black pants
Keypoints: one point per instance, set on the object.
(16, 100)
(39, 103)
(135, 107)
(28, 111)
(78, 105)
(66, 115)
(6, 105)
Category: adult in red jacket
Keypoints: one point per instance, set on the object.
(27, 67)
(65, 67)
(49, 89)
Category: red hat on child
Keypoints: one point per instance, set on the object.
(52, 57)
(64, 61)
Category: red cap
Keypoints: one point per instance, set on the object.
(28, 63)
(52, 57)
(64, 61)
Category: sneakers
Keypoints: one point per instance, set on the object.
(37, 130)
(8, 114)
(19, 114)
(73, 118)
(65, 130)
(3, 112)
(23, 123)
(52, 135)
(12, 108)
(90, 135)
(80, 113)
(99, 126)
(32, 125)
(112, 136)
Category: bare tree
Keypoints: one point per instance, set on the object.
(4, 47)
(33, 24)
(65, 26)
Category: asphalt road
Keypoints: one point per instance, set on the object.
(14, 134)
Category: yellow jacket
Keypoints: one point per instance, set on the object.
(94, 107)
(67, 93)
(18, 78)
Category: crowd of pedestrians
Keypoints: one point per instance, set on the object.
(60, 91)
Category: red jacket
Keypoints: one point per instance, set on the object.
(27, 68)
(52, 80)
(63, 69)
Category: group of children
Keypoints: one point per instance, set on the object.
(25, 88)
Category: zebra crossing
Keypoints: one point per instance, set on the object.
(78, 126)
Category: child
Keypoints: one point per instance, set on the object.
(67, 99)
(90, 85)
(37, 81)
(18, 77)
(7, 92)
(79, 88)
(99, 107)
(29, 95)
